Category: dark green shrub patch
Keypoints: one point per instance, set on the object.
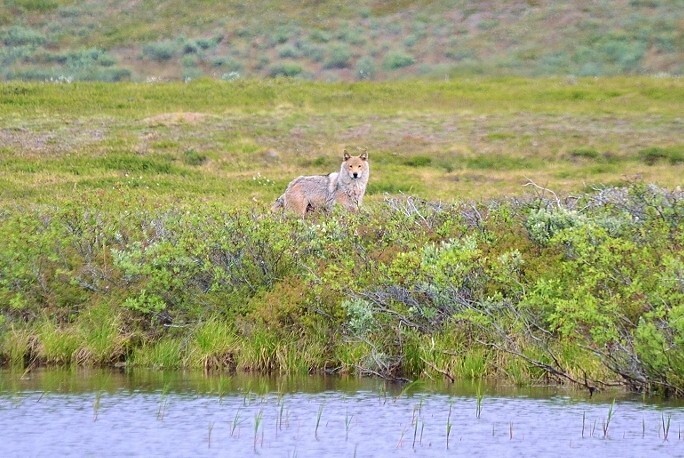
(673, 155)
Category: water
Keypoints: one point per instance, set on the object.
(142, 413)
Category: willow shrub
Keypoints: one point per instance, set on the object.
(578, 290)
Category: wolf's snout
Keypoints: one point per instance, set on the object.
(356, 175)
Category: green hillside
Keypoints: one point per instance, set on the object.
(324, 40)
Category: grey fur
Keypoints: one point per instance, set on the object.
(320, 192)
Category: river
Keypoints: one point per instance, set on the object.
(103, 413)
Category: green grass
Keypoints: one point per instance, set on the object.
(166, 353)
(212, 140)
(57, 346)
(214, 345)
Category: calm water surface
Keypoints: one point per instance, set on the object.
(111, 413)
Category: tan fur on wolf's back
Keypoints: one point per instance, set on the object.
(320, 192)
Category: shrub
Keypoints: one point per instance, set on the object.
(160, 51)
(397, 60)
(227, 63)
(282, 34)
(339, 57)
(22, 36)
(593, 293)
(320, 36)
(287, 70)
(289, 52)
(543, 224)
(360, 315)
(365, 68)
(313, 52)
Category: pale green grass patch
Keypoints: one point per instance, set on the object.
(214, 345)
(167, 353)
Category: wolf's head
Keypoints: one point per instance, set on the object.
(356, 167)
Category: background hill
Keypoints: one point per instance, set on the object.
(142, 40)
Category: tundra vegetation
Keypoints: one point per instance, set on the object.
(328, 40)
(520, 230)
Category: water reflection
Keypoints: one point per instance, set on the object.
(147, 413)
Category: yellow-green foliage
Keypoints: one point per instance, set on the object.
(165, 353)
(16, 345)
(214, 345)
(102, 336)
(57, 344)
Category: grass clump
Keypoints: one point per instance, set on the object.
(101, 341)
(165, 353)
(57, 345)
(673, 155)
(418, 161)
(214, 345)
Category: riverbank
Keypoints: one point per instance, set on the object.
(528, 230)
(584, 290)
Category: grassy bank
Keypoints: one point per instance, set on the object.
(134, 229)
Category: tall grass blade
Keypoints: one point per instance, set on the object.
(257, 423)
(318, 420)
(606, 423)
(666, 424)
(448, 427)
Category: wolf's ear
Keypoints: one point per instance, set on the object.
(364, 155)
(346, 155)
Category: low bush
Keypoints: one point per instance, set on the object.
(397, 60)
(161, 51)
(22, 36)
(287, 70)
(587, 292)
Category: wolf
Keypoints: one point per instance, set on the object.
(321, 192)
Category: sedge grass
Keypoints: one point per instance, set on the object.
(347, 424)
(235, 423)
(15, 345)
(258, 419)
(101, 339)
(97, 404)
(214, 345)
(606, 422)
(479, 397)
(57, 345)
(318, 420)
(210, 429)
(665, 421)
(167, 353)
(449, 426)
